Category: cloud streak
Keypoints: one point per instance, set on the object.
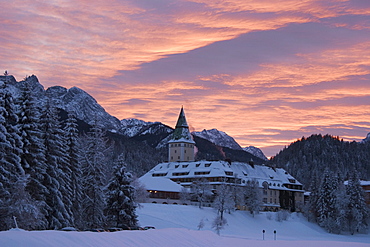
(265, 72)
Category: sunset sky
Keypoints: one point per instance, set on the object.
(266, 72)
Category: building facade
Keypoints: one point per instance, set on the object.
(277, 188)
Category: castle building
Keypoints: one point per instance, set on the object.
(166, 181)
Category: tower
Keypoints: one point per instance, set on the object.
(181, 146)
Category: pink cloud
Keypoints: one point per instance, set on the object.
(266, 72)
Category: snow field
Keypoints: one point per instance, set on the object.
(176, 225)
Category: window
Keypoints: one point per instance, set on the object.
(184, 166)
(180, 173)
(197, 165)
(207, 165)
(265, 200)
(229, 173)
(159, 174)
(202, 173)
(175, 151)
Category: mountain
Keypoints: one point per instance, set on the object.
(143, 143)
(256, 152)
(219, 138)
(367, 139)
(131, 126)
(74, 100)
(222, 139)
(83, 105)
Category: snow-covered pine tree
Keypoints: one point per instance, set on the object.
(13, 134)
(23, 207)
(33, 150)
(94, 150)
(57, 175)
(7, 169)
(120, 203)
(358, 212)
(328, 206)
(73, 164)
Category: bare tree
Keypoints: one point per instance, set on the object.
(201, 191)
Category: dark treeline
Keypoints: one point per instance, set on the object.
(331, 170)
(310, 156)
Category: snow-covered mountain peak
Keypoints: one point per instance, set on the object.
(128, 122)
(219, 138)
(367, 139)
(256, 152)
(133, 127)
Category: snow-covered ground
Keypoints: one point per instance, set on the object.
(176, 225)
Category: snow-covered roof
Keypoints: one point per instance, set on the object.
(193, 169)
(275, 178)
(159, 183)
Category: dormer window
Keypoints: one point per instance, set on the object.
(207, 165)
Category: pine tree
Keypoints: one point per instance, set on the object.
(7, 173)
(73, 164)
(57, 175)
(329, 206)
(23, 207)
(121, 205)
(358, 212)
(94, 151)
(12, 189)
(12, 133)
(33, 150)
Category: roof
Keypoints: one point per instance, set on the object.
(275, 178)
(181, 132)
(159, 183)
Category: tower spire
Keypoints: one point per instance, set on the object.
(181, 146)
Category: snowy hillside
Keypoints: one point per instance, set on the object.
(176, 225)
(219, 138)
(367, 139)
(74, 100)
(255, 151)
(83, 105)
(132, 126)
(222, 139)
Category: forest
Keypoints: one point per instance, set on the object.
(52, 176)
